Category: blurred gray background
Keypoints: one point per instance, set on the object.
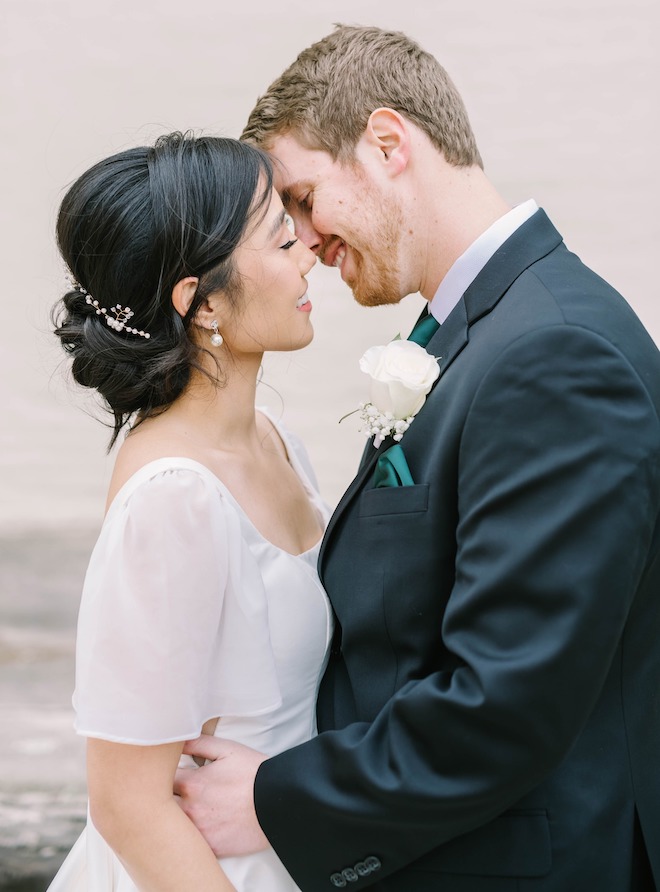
(563, 97)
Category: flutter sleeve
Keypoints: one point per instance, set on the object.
(173, 624)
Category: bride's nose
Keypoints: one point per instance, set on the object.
(305, 256)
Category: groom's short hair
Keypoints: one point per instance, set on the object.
(325, 97)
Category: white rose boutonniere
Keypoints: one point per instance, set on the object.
(402, 374)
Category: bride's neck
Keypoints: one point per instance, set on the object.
(218, 414)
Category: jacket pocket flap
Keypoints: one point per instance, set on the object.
(394, 500)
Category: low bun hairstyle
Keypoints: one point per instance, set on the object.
(129, 229)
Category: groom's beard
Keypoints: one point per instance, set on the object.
(377, 280)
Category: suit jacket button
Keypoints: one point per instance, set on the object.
(350, 874)
(362, 870)
(372, 863)
(338, 880)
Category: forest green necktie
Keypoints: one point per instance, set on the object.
(424, 330)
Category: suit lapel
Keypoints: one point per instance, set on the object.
(533, 240)
(367, 465)
(446, 344)
(449, 339)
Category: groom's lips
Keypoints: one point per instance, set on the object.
(330, 252)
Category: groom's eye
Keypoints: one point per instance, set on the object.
(304, 202)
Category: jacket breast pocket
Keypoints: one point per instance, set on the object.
(394, 500)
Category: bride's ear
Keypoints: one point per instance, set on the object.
(209, 311)
(183, 294)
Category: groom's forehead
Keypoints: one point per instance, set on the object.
(296, 166)
(291, 177)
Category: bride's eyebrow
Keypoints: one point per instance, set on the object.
(277, 225)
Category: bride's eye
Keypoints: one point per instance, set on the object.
(290, 225)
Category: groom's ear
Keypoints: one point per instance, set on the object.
(387, 132)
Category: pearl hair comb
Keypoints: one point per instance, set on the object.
(118, 319)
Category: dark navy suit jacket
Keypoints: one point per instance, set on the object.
(490, 715)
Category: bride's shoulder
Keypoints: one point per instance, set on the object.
(143, 458)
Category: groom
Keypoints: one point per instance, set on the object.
(490, 716)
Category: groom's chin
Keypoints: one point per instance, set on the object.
(374, 297)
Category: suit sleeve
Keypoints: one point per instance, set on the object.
(558, 493)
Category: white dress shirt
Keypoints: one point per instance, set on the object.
(467, 267)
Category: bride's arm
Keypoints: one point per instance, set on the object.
(132, 807)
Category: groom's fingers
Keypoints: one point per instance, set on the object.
(207, 747)
(202, 748)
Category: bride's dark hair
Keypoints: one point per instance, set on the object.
(129, 229)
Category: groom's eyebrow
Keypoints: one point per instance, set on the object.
(287, 197)
(288, 194)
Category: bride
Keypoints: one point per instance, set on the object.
(201, 608)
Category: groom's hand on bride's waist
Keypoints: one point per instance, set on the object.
(219, 797)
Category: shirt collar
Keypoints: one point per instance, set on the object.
(468, 266)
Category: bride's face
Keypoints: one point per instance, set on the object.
(273, 311)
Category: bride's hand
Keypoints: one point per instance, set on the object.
(219, 797)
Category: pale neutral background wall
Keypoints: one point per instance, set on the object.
(563, 97)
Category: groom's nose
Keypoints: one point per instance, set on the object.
(306, 233)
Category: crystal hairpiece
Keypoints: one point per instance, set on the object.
(118, 319)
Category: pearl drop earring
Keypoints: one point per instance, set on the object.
(216, 338)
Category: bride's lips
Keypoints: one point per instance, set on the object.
(304, 304)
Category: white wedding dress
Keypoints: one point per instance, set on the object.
(187, 614)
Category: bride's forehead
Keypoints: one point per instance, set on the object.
(267, 220)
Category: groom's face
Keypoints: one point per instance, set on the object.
(345, 216)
